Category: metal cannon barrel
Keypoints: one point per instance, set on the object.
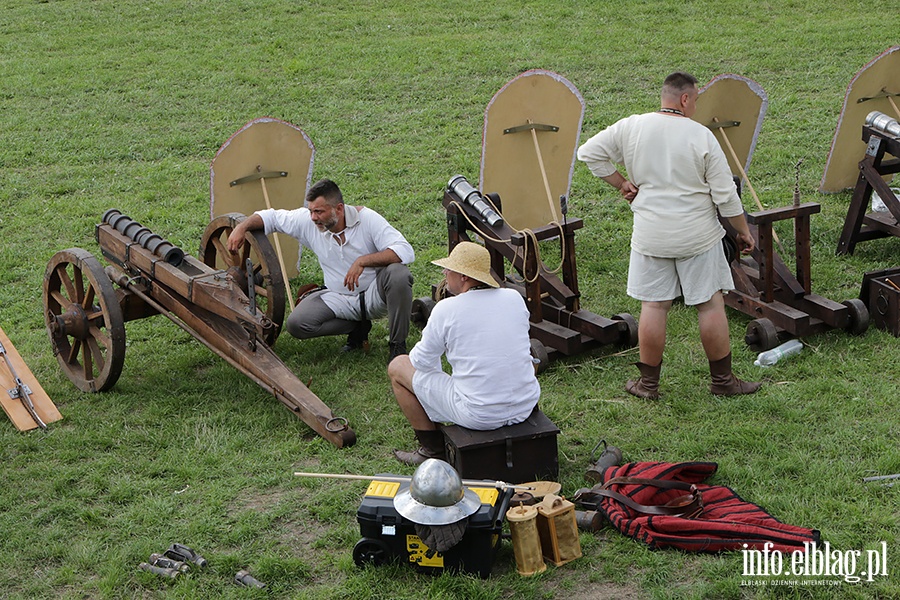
(882, 122)
(130, 228)
(460, 187)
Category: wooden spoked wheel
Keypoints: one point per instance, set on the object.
(84, 320)
(265, 273)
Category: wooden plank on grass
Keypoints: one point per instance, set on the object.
(13, 407)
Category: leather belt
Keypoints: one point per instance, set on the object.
(688, 506)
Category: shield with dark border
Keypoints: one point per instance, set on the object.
(733, 107)
(875, 87)
(531, 131)
(265, 157)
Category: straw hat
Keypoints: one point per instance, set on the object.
(470, 260)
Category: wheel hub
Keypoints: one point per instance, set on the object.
(73, 322)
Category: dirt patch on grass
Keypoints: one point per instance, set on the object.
(302, 538)
(578, 586)
(259, 501)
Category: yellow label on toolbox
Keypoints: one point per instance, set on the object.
(421, 554)
(385, 489)
(486, 495)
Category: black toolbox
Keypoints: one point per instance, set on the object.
(387, 536)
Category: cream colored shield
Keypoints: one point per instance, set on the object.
(267, 163)
(733, 108)
(531, 130)
(875, 87)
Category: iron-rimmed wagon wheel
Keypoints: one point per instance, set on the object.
(84, 320)
(269, 284)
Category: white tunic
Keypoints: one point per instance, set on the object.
(682, 176)
(484, 334)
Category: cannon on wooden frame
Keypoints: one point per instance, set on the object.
(558, 323)
(870, 104)
(233, 303)
(882, 136)
(531, 131)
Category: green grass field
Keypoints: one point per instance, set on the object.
(124, 104)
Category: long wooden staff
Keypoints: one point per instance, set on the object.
(894, 106)
(540, 158)
(287, 284)
(740, 167)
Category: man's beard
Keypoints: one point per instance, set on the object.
(327, 224)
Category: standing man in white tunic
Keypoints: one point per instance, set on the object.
(678, 184)
(483, 331)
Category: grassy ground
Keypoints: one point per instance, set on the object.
(124, 104)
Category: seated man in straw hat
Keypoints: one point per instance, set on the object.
(483, 331)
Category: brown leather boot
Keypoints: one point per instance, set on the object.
(648, 385)
(432, 446)
(724, 383)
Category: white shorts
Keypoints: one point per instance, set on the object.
(444, 404)
(697, 278)
(438, 396)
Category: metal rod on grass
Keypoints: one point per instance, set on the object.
(404, 479)
(881, 477)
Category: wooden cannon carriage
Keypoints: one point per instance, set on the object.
(780, 302)
(882, 136)
(869, 104)
(237, 312)
(558, 323)
(531, 131)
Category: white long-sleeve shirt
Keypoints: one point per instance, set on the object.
(484, 334)
(682, 176)
(366, 232)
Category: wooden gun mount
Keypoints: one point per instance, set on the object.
(235, 312)
(859, 226)
(557, 320)
(779, 301)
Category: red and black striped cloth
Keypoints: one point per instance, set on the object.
(727, 522)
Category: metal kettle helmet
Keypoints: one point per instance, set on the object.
(436, 496)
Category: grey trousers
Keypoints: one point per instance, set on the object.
(312, 317)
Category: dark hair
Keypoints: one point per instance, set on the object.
(678, 82)
(327, 189)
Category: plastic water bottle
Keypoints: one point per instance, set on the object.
(878, 204)
(770, 357)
